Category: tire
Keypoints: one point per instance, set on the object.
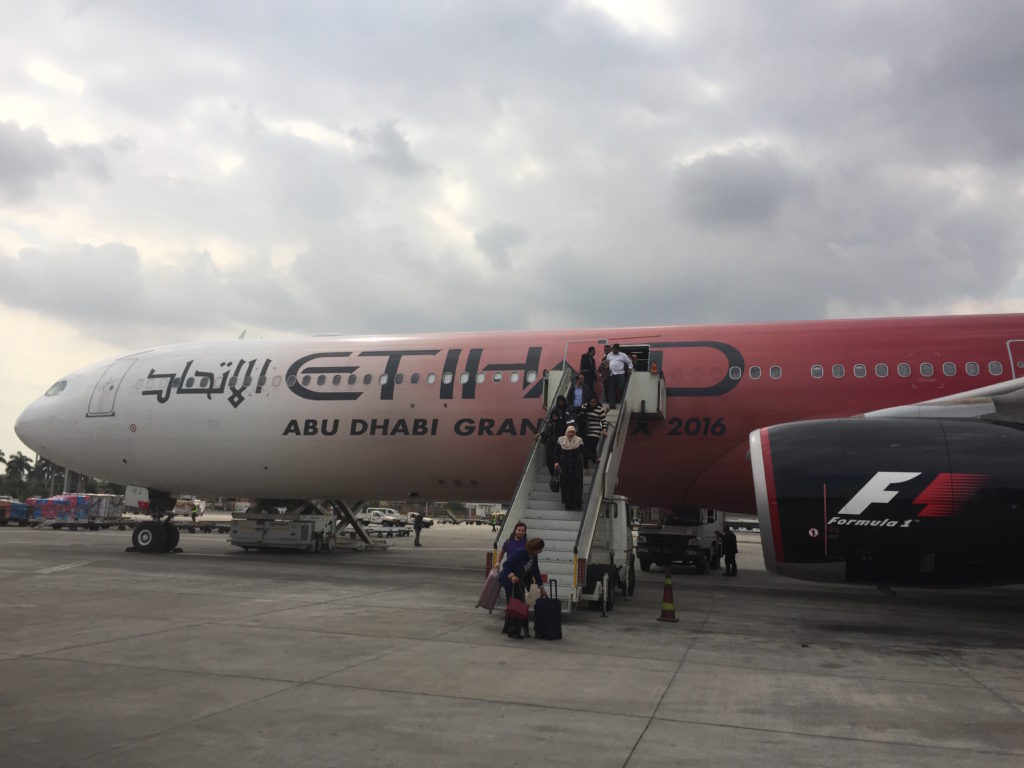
(148, 536)
(645, 565)
(171, 536)
(630, 586)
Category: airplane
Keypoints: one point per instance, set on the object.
(873, 450)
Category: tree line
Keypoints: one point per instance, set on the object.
(24, 477)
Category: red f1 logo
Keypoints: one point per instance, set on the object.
(944, 495)
(876, 491)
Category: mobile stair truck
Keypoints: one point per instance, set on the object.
(590, 552)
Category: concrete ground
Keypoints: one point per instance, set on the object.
(215, 657)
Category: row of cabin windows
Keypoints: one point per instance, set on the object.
(860, 371)
(446, 378)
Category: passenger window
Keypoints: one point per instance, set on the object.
(995, 368)
(351, 379)
(368, 379)
(972, 369)
(431, 378)
(415, 378)
(903, 370)
(399, 378)
(321, 380)
(336, 381)
(514, 377)
(189, 382)
(291, 380)
(447, 377)
(481, 378)
(755, 372)
(775, 371)
(860, 370)
(383, 378)
(817, 371)
(838, 371)
(464, 378)
(277, 381)
(531, 376)
(927, 369)
(496, 378)
(881, 370)
(735, 373)
(949, 369)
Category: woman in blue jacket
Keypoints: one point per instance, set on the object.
(519, 570)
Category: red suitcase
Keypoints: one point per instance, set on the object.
(489, 596)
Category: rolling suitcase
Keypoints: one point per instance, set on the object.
(489, 596)
(547, 615)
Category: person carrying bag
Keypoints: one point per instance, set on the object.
(515, 573)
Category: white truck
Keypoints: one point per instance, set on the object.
(385, 516)
(680, 536)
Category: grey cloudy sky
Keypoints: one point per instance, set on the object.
(186, 170)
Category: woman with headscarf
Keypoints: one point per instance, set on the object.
(554, 428)
(569, 464)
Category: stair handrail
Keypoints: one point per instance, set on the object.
(518, 505)
(607, 448)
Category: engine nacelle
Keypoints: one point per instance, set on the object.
(892, 501)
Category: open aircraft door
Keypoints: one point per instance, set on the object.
(1016, 349)
(104, 395)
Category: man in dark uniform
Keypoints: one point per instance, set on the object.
(417, 525)
(588, 367)
(729, 549)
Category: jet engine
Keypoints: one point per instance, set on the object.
(892, 500)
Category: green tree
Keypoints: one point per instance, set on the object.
(18, 466)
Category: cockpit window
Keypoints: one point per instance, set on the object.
(57, 388)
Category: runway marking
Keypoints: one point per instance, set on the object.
(64, 567)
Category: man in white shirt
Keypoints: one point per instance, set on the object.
(618, 365)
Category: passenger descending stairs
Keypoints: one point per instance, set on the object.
(568, 536)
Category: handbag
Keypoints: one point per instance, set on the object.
(553, 483)
(517, 609)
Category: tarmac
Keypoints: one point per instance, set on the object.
(215, 657)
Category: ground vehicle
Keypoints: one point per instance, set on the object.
(379, 516)
(685, 536)
(74, 510)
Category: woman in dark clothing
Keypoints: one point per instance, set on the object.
(554, 429)
(569, 463)
(520, 569)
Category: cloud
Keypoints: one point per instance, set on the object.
(29, 159)
(496, 241)
(740, 189)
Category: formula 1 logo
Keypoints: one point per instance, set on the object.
(947, 493)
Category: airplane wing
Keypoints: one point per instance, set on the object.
(998, 402)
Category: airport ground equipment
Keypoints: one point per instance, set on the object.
(680, 537)
(310, 526)
(589, 551)
(77, 510)
(14, 512)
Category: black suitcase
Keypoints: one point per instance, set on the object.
(547, 615)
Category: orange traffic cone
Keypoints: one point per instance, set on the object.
(668, 604)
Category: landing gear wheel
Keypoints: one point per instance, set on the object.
(171, 536)
(645, 565)
(148, 536)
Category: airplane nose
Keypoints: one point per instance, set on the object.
(27, 428)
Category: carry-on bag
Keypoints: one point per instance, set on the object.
(547, 615)
(489, 595)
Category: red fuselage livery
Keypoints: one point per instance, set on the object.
(454, 416)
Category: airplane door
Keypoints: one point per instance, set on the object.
(1016, 349)
(103, 396)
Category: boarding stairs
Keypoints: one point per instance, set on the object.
(569, 535)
